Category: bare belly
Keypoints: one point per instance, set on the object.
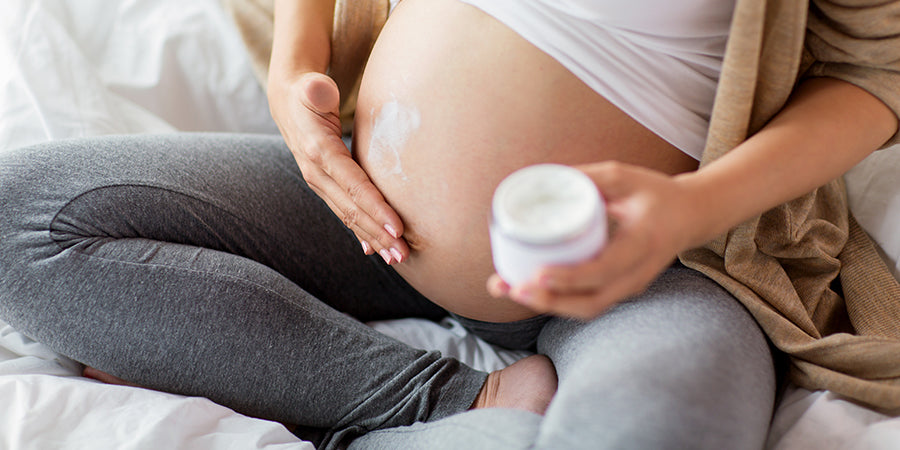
(451, 102)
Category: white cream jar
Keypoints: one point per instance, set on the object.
(545, 214)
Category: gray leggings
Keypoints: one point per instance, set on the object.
(203, 265)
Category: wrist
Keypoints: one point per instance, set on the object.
(826, 128)
(280, 80)
(707, 209)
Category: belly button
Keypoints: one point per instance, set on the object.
(415, 242)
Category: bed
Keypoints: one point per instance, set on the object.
(73, 68)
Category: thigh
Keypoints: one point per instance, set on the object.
(240, 194)
(682, 366)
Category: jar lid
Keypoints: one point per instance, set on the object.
(546, 203)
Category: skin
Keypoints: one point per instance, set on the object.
(443, 251)
(431, 223)
(304, 103)
(829, 122)
(475, 127)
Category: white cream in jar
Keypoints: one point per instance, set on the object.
(545, 214)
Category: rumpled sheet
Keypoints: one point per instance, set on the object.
(81, 68)
(71, 68)
(47, 404)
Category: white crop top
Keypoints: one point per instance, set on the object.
(656, 60)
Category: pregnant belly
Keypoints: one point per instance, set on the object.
(451, 102)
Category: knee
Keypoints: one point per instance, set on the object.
(684, 366)
(669, 397)
(28, 177)
(30, 197)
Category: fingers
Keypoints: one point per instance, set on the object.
(349, 192)
(497, 287)
(645, 211)
(622, 256)
(334, 176)
(90, 372)
(587, 303)
(579, 306)
(629, 263)
(613, 178)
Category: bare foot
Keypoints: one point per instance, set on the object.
(90, 372)
(527, 384)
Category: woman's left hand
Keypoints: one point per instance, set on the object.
(653, 217)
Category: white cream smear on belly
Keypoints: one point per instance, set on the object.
(390, 131)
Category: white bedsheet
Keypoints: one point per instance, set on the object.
(47, 404)
(87, 67)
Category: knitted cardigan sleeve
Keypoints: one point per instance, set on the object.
(857, 41)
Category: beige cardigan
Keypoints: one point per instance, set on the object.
(781, 264)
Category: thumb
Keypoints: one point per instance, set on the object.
(612, 178)
(320, 94)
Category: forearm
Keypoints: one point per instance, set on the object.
(302, 38)
(826, 128)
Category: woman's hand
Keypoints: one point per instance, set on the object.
(306, 111)
(829, 121)
(653, 217)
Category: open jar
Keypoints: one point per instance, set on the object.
(545, 214)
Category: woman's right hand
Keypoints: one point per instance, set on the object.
(306, 111)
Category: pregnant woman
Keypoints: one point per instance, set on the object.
(441, 121)
(218, 265)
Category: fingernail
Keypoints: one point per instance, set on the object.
(397, 255)
(545, 281)
(391, 231)
(386, 255)
(523, 296)
(365, 246)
